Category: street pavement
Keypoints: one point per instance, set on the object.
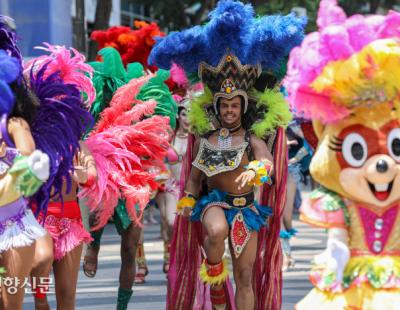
(100, 292)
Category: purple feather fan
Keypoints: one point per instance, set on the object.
(60, 123)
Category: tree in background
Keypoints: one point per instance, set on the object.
(102, 20)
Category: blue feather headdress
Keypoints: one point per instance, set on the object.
(230, 53)
(232, 28)
(10, 70)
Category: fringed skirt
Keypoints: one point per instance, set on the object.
(18, 226)
(242, 213)
(64, 224)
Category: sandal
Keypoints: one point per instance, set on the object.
(90, 263)
(140, 277)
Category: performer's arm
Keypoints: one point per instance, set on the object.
(20, 133)
(261, 169)
(195, 177)
(85, 172)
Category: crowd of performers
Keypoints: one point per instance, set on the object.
(196, 122)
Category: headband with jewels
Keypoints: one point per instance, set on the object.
(231, 53)
(229, 79)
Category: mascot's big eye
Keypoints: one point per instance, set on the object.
(355, 150)
(394, 144)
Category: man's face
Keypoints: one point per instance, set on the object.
(230, 111)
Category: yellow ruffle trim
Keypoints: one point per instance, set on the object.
(185, 202)
(217, 279)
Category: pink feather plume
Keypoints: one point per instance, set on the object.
(71, 65)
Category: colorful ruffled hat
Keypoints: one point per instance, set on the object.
(348, 63)
(229, 54)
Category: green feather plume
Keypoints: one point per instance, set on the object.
(156, 89)
(198, 119)
(276, 114)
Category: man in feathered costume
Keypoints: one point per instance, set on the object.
(240, 146)
(128, 143)
(345, 77)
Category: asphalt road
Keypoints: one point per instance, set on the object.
(100, 293)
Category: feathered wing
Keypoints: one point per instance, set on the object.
(124, 157)
(60, 122)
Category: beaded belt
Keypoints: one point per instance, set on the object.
(240, 201)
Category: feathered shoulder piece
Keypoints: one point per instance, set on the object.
(57, 86)
(348, 62)
(134, 45)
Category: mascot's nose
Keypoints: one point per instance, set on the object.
(382, 166)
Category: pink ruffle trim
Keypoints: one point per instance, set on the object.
(66, 233)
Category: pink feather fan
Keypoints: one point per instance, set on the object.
(71, 65)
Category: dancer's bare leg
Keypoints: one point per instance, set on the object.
(18, 264)
(216, 226)
(129, 242)
(243, 272)
(167, 204)
(41, 267)
(288, 211)
(90, 260)
(66, 277)
(141, 264)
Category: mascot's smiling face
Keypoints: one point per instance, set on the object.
(359, 158)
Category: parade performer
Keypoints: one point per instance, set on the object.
(344, 78)
(22, 170)
(128, 143)
(241, 145)
(62, 77)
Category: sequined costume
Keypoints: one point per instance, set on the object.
(229, 54)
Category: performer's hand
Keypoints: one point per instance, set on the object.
(80, 174)
(187, 212)
(245, 177)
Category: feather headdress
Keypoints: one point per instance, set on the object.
(349, 62)
(8, 38)
(10, 70)
(133, 45)
(71, 67)
(229, 53)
